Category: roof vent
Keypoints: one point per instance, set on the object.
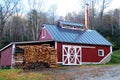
(70, 25)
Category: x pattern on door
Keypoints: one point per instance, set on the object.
(71, 55)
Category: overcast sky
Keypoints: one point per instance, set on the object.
(65, 6)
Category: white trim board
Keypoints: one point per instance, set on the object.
(90, 62)
(12, 60)
(107, 55)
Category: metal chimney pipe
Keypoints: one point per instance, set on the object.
(86, 17)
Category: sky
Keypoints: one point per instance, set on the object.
(115, 4)
(65, 6)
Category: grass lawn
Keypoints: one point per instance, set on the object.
(17, 74)
(115, 59)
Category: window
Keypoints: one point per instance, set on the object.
(43, 32)
(100, 52)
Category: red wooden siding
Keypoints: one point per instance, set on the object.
(88, 54)
(59, 51)
(6, 56)
(46, 34)
(91, 54)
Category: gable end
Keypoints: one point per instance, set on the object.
(44, 35)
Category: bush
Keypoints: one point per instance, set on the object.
(116, 45)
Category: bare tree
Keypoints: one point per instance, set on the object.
(92, 11)
(105, 4)
(7, 8)
(35, 18)
(35, 21)
(92, 16)
(73, 17)
(52, 14)
(117, 16)
(101, 13)
(94, 7)
(16, 28)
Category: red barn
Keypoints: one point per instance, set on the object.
(75, 45)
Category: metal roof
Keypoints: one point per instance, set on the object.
(25, 43)
(71, 23)
(76, 36)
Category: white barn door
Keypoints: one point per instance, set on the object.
(71, 55)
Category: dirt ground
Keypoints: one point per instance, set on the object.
(84, 72)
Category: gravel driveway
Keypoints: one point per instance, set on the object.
(85, 72)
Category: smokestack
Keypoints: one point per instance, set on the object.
(86, 17)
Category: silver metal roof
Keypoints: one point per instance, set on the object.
(76, 36)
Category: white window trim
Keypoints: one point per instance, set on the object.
(43, 32)
(102, 52)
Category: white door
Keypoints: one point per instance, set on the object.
(71, 55)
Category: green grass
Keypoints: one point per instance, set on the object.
(18, 74)
(115, 59)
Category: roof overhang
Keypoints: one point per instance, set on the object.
(26, 43)
(84, 43)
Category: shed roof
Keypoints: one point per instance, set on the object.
(76, 36)
(25, 43)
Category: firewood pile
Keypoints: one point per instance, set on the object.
(18, 60)
(35, 54)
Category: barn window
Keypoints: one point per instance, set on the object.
(43, 32)
(100, 52)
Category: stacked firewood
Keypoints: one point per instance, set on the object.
(40, 53)
(53, 58)
(18, 58)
